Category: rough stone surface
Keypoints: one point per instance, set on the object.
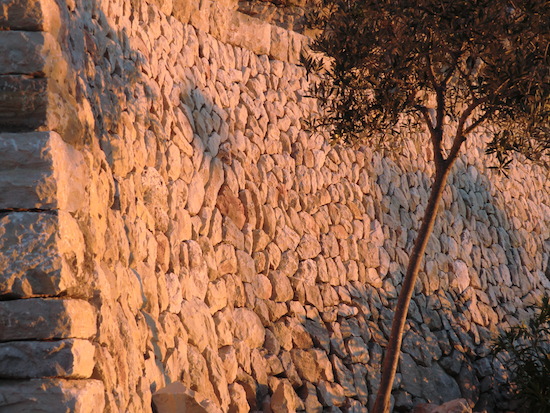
(156, 167)
(40, 254)
(69, 358)
(176, 398)
(52, 396)
(46, 319)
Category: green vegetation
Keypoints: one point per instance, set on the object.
(528, 346)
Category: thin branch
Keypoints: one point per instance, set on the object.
(440, 114)
(431, 74)
(460, 135)
(471, 88)
(426, 114)
(449, 75)
(477, 122)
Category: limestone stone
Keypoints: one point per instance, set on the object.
(319, 333)
(39, 170)
(230, 364)
(330, 394)
(308, 394)
(281, 287)
(300, 336)
(217, 376)
(284, 398)
(250, 328)
(40, 254)
(20, 111)
(196, 195)
(196, 280)
(245, 265)
(226, 259)
(343, 376)
(305, 364)
(197, 377)
(290, 369)
(239, 403)
(279, 43)
(232, 234)
(70, 358)
(231, 206)
(216, 296)
(274, 366)
(359, 379)
(177, 398)
(308, 247)
(241, 34)
(462, 280)
(197, 321)
(34, 15)
(45, 319)
(51, 396)
(358, 350)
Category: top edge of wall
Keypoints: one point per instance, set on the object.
(221, 19)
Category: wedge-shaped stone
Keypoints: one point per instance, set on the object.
(38, 170)
(41, 254)
(51, 396)
(44, 319)
(71, 358)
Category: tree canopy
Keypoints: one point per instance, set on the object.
(467, 61)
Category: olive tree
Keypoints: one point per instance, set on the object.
(448, 65)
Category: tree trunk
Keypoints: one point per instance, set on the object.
(393, 349)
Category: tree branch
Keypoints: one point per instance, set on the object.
(460, 135)
(431, 74)
(477, 122)
(426, 114)
(437, 135)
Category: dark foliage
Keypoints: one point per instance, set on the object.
(480, 60)
(528, 347)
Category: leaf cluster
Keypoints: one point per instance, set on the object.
(463, 61)
(528, 346)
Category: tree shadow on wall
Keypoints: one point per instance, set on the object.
(466, 293)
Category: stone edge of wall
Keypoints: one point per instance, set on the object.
(228, 25)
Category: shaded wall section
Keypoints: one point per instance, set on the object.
(166, 218)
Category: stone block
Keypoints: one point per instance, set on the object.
(32, 15)
(182, 9)
(23, 102)
(45, 319)
(279, 43)
(72, 358)
(41, 254)
(38, 170)
(177, 398)
(250, 33)
(51, 396)
(32, 53)
(31, 103)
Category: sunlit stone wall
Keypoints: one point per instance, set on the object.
(164, 217)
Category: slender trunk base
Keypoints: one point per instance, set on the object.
(391, 358)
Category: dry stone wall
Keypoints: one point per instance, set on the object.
(164, 217)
